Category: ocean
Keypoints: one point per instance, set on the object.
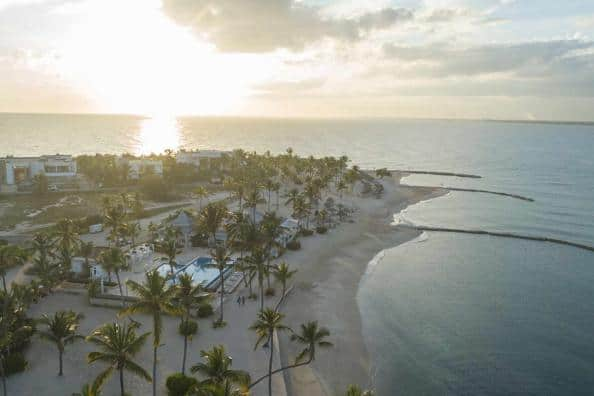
(446, 314)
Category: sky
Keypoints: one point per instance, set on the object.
(495, 59)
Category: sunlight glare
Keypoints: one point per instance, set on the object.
(158, 134)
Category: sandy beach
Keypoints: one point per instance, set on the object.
(330, 269)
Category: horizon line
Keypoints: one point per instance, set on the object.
(313, 118)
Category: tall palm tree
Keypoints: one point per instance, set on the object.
(310, 335)
(155, 299)
(211, 217)
(220, 257)
(61, 330)
(271, 230)
(66, 236)
(114, 218)
(269, 321)
(201, 193)
(88, 390)
(217, 368)
(113, 260)
(252, 201)
(292, 196)
(283, 273)
(43, 244)
(119, 344)
(188, 296)
(133, 232)
(169, 248)
(10, 256)
(257, 259)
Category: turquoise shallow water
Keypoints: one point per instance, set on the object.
(455, 314)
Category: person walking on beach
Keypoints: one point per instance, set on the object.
(239, 300)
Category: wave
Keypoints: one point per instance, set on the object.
(375, 261)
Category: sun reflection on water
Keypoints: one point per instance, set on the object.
(158, 134)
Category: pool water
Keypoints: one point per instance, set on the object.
(198, 268)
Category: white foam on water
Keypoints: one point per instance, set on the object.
(375, 261)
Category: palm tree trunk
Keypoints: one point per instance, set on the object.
(271, 342)
(5, 392)
(154, 370)
(61, 373)
(4, 283)
(270, 374)
(261, 285)
(222, 295)
(185, 354)
(120, 287)
(122, 381)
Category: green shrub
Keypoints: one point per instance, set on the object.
(321, 230)
(294, 245)
(179, 384)
(217, 324)
(270, 291)
(15, 363)
(189, 327)
(205, 310)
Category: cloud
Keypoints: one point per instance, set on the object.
(440, 60)
(266, 25)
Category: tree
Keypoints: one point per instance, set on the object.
(355, 390)
(217, 368)
(113, 260)
(201, 193)
(66, 236)
(283, 273)
(211, 218)
(114, 218)
(155, 299)
(312, 337)
(169, 248)
(257, 259)
(61, 330)
(221, 258)
(383, 172)
(88, 390)
(188, 297)
(133, 232)
(10, 256)
(252, 201)
(269, 321)
(40, 184)
(119, 344)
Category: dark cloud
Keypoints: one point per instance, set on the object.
(265, 25)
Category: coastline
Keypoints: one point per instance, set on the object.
(331, 268)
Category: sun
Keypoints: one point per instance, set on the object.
(130, 58)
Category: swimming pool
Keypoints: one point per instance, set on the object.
(199, 269)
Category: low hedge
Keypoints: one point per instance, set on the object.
(15, 363)
(306, 232)
(321, 230)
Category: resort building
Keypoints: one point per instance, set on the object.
(138, 167)
(200, 158)
(184, 224)
(20, 171)
(290, 227)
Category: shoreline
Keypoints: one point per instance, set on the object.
(331, 268)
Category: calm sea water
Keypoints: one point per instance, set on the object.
(446, 314)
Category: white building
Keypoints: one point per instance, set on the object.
(21, 170)
(290, 227)
(199, 158)
(138, 167)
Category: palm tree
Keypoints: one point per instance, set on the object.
(133, 231)
(188, 296)
(66, 236)
(283, 273)
(201, 193)
(113, 260)
(271, 231)
(119, 343)
(10, 256)
(311, 336)
(221, 258)
(269, 321)
(61, 330)
(88, 390)
(154, 298)
(114, 218)
(217, 368)
(292, 196)
(211, 217)
(355, 390)
(169, 248)
(257, 260)
(252, 200)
